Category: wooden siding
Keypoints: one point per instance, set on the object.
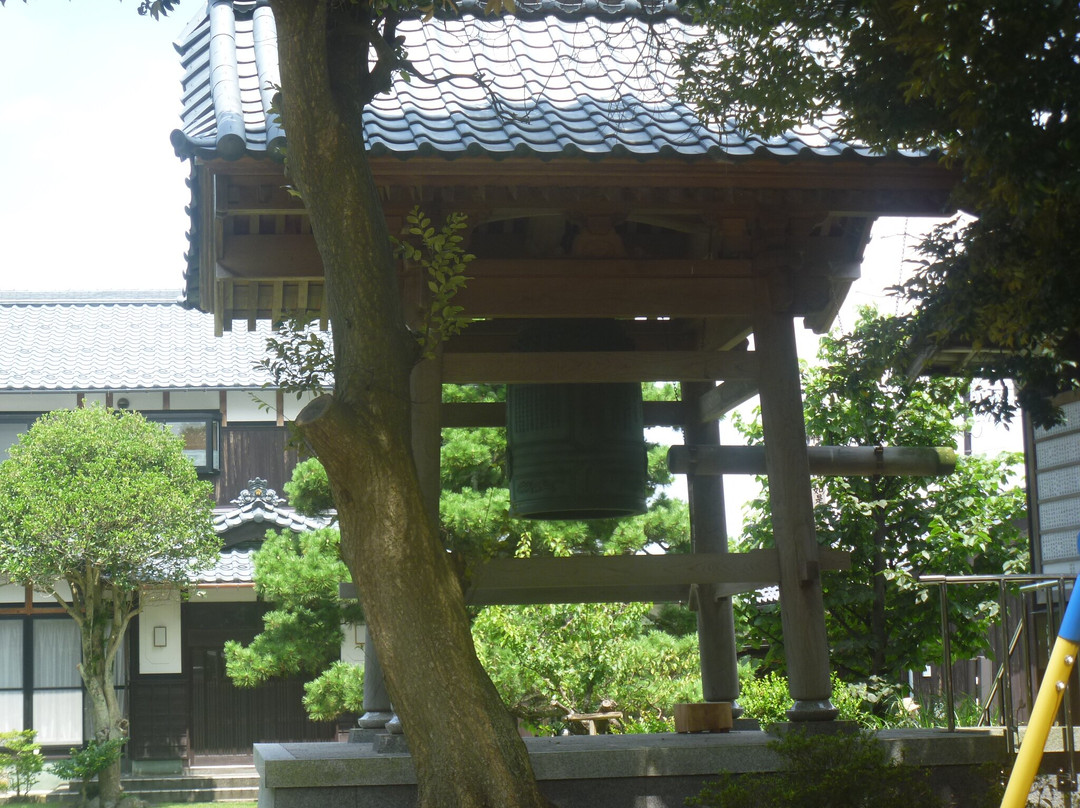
(253, 450)
(160, 717)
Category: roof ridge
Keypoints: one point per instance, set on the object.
(89, 297)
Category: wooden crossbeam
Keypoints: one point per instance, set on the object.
(493, 413)
(597, 366)
(836, 461)
(624, 579)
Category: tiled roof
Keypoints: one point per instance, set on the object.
(88, 341)
(273, 516)
(560, 78)
(236, 566)
(259, 505)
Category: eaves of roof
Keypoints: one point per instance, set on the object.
(559, 79)
(236, 566)
(263, 513)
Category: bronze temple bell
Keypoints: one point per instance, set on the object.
(575, 451)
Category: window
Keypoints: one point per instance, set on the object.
(40, 685)
(57, 696)
(11, 675)
(201, 433)
(11, 426)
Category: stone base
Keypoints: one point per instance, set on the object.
(364, 734)
(391, 744)
(616, 771)
(813, 727)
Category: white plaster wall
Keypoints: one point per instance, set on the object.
(160, 609)
(354, 636)
(12, 593)
(293, 405)
(223, 594)
(140, 400)
(94, 398)
(62, 589)
(194, 400)
(37, 402)
(242, 406)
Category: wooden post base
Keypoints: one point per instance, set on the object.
(706, 716)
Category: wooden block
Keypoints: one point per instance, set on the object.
(706, 716)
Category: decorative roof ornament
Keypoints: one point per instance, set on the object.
(257, 491)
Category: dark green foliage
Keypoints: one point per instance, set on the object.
(880, 621)
(849, 769)
(340, 688)
(555, 659)
(309, 490)
(299, 573)
(995, 88)
(576, 655)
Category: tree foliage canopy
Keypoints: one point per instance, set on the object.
(102, 499)
(880, 621)
(995, 89)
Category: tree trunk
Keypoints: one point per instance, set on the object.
(104, 712)
(464, 743)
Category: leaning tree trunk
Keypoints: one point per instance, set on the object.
(464, 742)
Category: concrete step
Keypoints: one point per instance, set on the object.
(208, 784)
(190, 782)
(238, 794)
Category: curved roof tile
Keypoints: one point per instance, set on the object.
(120, 340)
(558, 78)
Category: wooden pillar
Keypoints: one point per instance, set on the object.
(801, 608)
(377, 710)
(708, 534)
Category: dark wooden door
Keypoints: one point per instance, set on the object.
(226, 720)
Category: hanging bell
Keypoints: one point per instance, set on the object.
(576, 451)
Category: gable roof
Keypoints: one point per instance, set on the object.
(127, 340)
(558, 79)
(256, 506)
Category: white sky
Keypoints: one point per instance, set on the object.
(93, 196)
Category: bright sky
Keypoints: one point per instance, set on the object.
(93, 195)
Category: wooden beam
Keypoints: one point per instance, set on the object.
(725, 397)
(574, 269)
(834, 461)
(479, 414)
(596, 366)
(605, 297)
(269, 256)
(626, 579)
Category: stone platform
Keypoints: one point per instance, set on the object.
(614, 771)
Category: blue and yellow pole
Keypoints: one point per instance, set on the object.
(1051, 691)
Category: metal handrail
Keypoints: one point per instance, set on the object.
(1028, 585)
